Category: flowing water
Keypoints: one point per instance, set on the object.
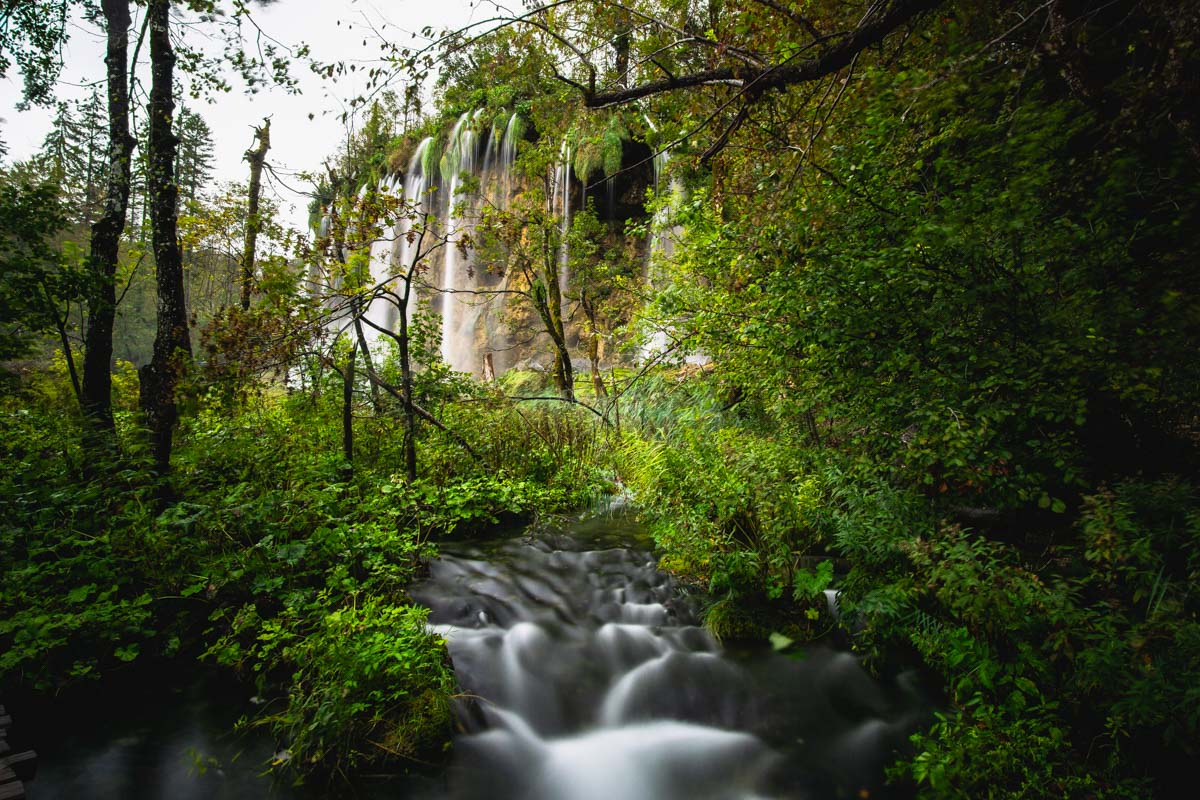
(584, 677)
(587, 677)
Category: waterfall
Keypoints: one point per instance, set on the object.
(491, 151)
(488, 157)
(508, 154)
(561, 207)
(379, 313)
(459, 158)
(416, 204)
(663, 235)
(663, 231)
(434, 197)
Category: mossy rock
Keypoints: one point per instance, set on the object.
(421, 733)
(732, 621)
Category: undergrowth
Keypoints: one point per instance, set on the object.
(272, 557)
(1067, 641)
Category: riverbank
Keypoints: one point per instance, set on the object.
(275, 559)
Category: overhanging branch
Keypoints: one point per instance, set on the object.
(779, 76)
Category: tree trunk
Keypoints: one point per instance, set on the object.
(96, 388)
(589, 310)
(357, 310)
(410, 414)
(621, 51)
(172, 343)
(564, 377)
(60, 324)
(348, 410)
(256, 157)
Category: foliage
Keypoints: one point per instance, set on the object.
(972, 325)
(733, 507)
(1063, 675)
(366, 674)
(32, 37)
(1064, 669)
(72, 586)
(268, 559)
(33, 275)
(949, 297)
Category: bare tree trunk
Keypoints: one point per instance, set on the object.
(564, 371)
(369, 364)
(621, 49)
(95, 395)
(172, 343)
(256, 157)
(60, 324)
(348, 409)
(410, 414)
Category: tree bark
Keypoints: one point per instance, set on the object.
(405, 396)
(410, 414)
(589, 310)
(548, 302)
(348, 409)
(172, 342)
(256, 157)
(357, 310)
(621, 44)
(96, 388)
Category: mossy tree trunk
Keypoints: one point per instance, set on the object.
(96, 388)
(172, 343)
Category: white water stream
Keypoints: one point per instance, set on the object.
(589, 679)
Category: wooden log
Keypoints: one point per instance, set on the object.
(24, 764)
(10, 787)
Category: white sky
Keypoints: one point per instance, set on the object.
(297, 143)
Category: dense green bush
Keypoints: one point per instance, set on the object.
(272, 556)
(368, 681)
(1068, 654)
(77, 558)
(1063, 674)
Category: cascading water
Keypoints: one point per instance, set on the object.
(664, 233)
(561, 207)
(458, 159)
(380, 313)
(489, 158)
(416, 190)
(508, 155)
(486, 153)
(590, 679)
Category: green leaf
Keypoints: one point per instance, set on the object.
(80, 593)
(779, 642)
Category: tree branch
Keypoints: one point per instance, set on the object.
(779, 76)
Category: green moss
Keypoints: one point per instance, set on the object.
(729, 620)
(524, 383)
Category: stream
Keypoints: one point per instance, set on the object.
(584, 676)
(587, 677)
